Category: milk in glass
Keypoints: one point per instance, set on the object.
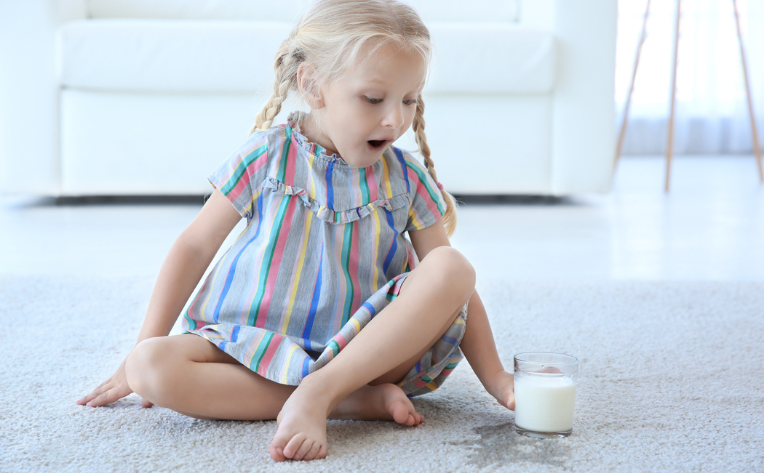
(544, 402)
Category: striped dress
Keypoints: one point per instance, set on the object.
(324, 251)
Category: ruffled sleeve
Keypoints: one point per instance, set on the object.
(427, 203)
(240, 177)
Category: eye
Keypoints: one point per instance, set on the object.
(410, 102)
(373, 101)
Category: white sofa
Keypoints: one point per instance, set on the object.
(147, 97)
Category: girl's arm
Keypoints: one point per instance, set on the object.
(186, 263)
(479, 348)
(478, 344)
(181, 271)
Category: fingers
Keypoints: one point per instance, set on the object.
(507, 399)
(104, 394)
(510, 399)
(103, 399)
(112, 389)
(93, 394)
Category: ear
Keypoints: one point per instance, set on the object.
(307, 84)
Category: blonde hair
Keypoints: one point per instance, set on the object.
(330, 36)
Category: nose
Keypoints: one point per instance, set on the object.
(393, 116)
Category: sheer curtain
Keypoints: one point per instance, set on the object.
(711, 114)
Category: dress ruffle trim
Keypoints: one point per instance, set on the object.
(336, 217)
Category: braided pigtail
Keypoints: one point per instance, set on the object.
(285, 66)
(449, 218)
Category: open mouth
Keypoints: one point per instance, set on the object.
(378, 144)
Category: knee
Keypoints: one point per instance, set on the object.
(453, 267)
(146, 369)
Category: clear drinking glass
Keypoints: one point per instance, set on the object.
(545, 393)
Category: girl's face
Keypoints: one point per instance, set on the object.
(362, 113)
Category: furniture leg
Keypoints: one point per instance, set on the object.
(754, 129)
(670, 144)
(622, 133)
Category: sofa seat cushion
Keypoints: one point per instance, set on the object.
(221, 56)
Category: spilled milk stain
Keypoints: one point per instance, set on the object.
(500, 444)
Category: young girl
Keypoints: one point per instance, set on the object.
(307, 316)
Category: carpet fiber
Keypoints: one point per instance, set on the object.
(671, 378)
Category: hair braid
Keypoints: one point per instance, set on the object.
(449, 218)
(285, 66)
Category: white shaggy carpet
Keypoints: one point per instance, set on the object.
(672, 379)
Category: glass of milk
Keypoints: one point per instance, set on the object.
(545, 393)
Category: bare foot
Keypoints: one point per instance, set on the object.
(381, 402)
(302, 426)
(302, 421)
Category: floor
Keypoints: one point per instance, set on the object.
(709, 227)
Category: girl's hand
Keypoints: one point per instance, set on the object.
(111, 390)
(503, 389)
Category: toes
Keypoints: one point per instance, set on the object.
(322, 451)
(277, 453)
(294, 445)
(299, 447)
(404, 414)
(277, 448)
(417, 419)
(414, 419)
(313, 453)
(302, 452)
(399, 412)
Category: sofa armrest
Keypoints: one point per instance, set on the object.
(29, 136)
(583, 111)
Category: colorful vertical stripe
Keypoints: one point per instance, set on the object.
(325, 250)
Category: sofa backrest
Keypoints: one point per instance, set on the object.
(275, 10)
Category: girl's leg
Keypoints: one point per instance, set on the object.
(188, 374)
(390, 343)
